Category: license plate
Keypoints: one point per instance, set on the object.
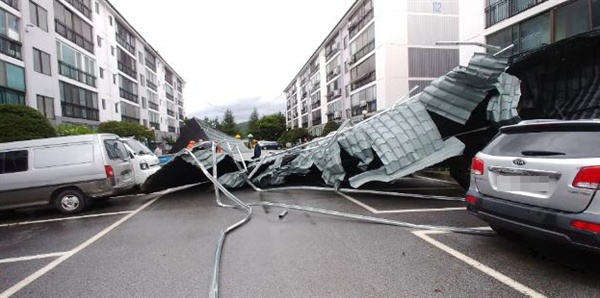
(523, 183)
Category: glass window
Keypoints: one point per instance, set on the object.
(535, 32)
(41, 62)
(571, 20)
(115, 149)
(38, 16)
(15, 77)
(504, 38)
(595, 6)
(14, 161)
(104, 104)
(97, 7)
(45, 105)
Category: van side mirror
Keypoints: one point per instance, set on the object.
(131, 155)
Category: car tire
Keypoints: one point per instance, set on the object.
(70, 201)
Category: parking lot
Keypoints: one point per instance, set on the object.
(162, 245)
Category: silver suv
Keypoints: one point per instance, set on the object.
(541, 178)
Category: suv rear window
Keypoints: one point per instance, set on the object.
(546, 144)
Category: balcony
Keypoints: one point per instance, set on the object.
(73, 36)
(151, 65)
(79, 5)
(74, 73)
(130, 119)
(180, 103)
(127, 69)
(316, 104)
(78, 111)
(10, 47)
(333, 94)
(363, 80)
(155, 125)
(169, 96)
(505, 9)
(316, 121)
(12, 3)
(172, 129)
(363, 51)
(153, 106)
(355, 26)
(151, 85)
(128, 95)
(333, 73)
(171, 113)
(331, 52)
(123, 42)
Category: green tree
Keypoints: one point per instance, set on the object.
(270, 127)
(126, 129)
(228, 124)
(329, 127)
(20, 123)
(253, 122)
(298, 134)
(68, 129)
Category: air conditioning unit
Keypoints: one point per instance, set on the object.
(363, 103)
(337, 114)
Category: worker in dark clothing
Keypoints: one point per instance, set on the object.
(257, 150)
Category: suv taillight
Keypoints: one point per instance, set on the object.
(109, 171)
(588, 177)
(477, 166)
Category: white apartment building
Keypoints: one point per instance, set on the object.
(80, 61)
(376, 53)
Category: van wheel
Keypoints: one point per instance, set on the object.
(70, 201)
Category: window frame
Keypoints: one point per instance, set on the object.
(36, 15)
(38, 62)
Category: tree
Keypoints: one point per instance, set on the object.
(271, 127)
(126, 129)
(20, 123)
(329, 127)
(253, 122)
(68, 129)
(228, 125)
(213, 123)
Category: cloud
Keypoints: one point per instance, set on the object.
(242, 108)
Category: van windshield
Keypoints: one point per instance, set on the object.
(137, 147)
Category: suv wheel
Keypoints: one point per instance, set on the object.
(70, 201)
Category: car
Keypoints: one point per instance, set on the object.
(66, 172)
(145, 163)
(269, 145)
(541, 179)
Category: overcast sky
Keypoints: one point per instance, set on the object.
(236, 54)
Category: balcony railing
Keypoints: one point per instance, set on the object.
(128, 95)
(151, 65)
(127, 69)
(130, 119)
(365, 79)
(316, 104)
(180, 103)
(169, 96)
(316, 121)
(330, 52)
(505, 9)
(10, 47)
(78, 111)
(12, 3)
(79, 5)
(123, 42)
(171, 113)
(333, 73)
(172, 129)
(363, 51)
(153, 106)
(156, 125)
(151, 85)
(73, 36)
(360, 23)
(74, 73)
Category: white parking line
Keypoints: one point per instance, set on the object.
(23, 283)
(477, 265)
(375, 211)
(64, 218)
(29, 258)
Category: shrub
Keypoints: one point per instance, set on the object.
(126, 129)
(20, 123)
(68, 129)
(329, 127)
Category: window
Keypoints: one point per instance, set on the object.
(140, 56)
(14, 161)
(97, 7)
(9, 25)
(112, 50)
(104, 104)
(504, 38)
(144, 104)
(70, 26)
(99, 39)
(101, 73)
(115, 149)
(12, 76)
(364, 73)
(535, 32)
(77, 102)
(142, 80)
(116, 107)
(114, 79)
(595, 7)
(45, 105)
(38, 16)
(130, 113)
(75, 64)
(568, 20)
(128, 89)
(365, 99)
(41, 62)
(110, 20)
(363, 44)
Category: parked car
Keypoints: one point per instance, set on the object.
(145, 163)
(66, 172)
(541, 178)
(269, 145)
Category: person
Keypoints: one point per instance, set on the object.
(158, 151)
(257, 150)
(190, 145)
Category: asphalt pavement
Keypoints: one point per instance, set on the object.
(163, 245)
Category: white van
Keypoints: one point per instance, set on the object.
(145, 163)
(65, 172)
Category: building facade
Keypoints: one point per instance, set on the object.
(80, 61)
(376, 53)
(530, 24)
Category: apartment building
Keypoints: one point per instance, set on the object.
(375, 54)
(80, 61)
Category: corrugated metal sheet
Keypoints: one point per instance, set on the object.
(428, 29)
(502, 108)
(431, 63)
(420, 83)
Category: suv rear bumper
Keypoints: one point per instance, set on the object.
(534, 221)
